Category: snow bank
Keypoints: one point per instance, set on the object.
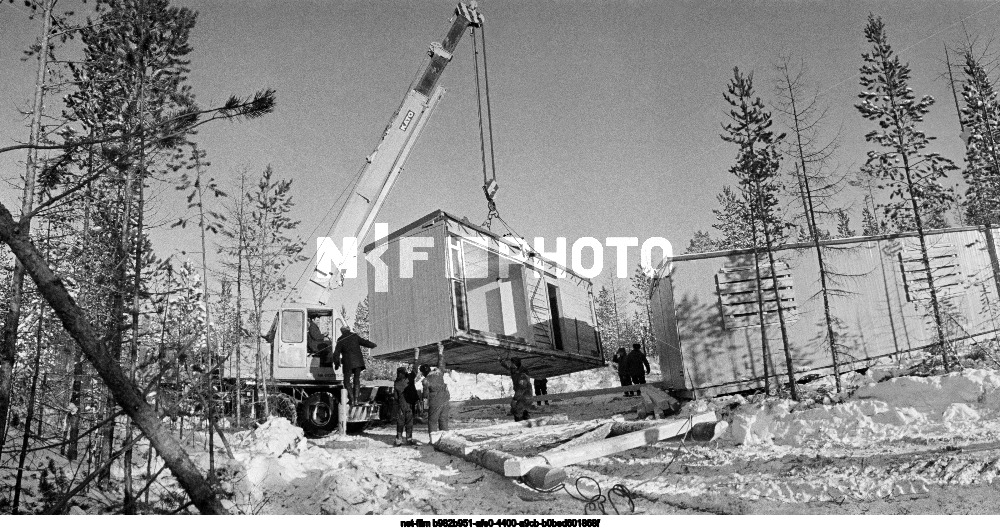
(274, 437)
(278, 471)
(956, 404)
(935, 395)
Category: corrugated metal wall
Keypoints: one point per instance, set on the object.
(879, 304)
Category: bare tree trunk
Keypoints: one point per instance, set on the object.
(125, 391)
(8, 340)
(810, 212)
(30, 416)
(781, 313)
(76, 393)
(73, 444)
(764, 347)
(240, 241)
(210, 397)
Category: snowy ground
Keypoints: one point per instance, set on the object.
(894, 446)
(905, 445)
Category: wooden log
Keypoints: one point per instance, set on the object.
(619, 428)
(555, 397)
(701, 432)
(545, 477)
(600, 433)
(514, 426)
(454, 445)
(706, 432)
(532, 439)
(541, 477)
(661, 401)
(519, 467)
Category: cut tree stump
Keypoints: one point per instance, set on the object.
(518, 467)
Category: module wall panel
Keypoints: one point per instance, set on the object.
(877, 294)
(413, 311)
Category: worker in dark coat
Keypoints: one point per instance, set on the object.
(348, 353)
(521, 402)
(635, 362)
(406, 403)
(620, 360)
(436, 396)
(541, 387)
(318, 343)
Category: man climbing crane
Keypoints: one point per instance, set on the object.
(348, 352)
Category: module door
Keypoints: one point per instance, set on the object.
(290, 360)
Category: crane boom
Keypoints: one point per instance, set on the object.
(384, 164)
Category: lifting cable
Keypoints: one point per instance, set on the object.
(489, 184)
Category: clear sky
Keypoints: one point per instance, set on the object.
(607, 114)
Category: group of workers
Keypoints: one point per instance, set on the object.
(632, 370)
(436, 398)
(347, 352)
(632, 367)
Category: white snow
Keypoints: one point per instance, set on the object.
(961, 404)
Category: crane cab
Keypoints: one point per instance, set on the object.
(291, 359)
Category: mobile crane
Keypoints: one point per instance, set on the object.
(301, 385)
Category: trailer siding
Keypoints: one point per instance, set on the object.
(710, 345)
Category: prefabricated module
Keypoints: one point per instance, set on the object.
(466, 296)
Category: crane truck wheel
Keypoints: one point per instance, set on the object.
(318, 414)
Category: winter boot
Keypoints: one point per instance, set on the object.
(399, 441)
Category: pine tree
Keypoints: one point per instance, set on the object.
(757, 164)
(132, 103)
(844, 229)
(869, 226)
(269, 248)
(701, 242)
(981, 124)
(733, 221)
(901, 161)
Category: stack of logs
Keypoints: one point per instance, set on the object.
(493, 447)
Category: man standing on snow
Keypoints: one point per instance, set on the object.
(521, 401)
(620, 360)
(635, 362)
(406, 403)
(437, 397)
(348, 352)
(541, 387)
